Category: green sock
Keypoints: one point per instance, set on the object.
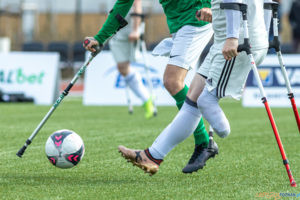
(180, 97)
(200, 134)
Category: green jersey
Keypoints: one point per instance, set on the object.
(183, 12)
(111, 24)
(178, 12)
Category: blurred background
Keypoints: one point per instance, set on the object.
(48, 25)
(37, 24)
(60, 26)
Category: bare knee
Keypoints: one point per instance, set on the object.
(172, 85)
(196, 87)
(174, 79)
(123, 68)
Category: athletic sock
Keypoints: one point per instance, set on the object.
(135, 83)
(156, 161)
(178, 130)
(200, 134)
(180, 96)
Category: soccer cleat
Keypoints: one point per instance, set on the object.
(149, 108)
(200, 156)
(141, 159)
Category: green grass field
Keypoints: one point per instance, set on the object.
(249, 161)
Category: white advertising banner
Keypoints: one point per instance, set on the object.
(273, 82)
(31, 73)
(103, 85)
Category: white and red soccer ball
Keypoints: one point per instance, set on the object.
(64, 148)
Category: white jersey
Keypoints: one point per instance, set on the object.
(257, 31)
(228, 78)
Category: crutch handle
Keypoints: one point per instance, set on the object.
(275, 43)
(245, 46)
(272, 6)
(243, 8)
(96, 47)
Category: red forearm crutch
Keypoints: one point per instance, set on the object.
(275, 43)
(246, 47)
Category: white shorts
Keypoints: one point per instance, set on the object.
(188, 44)
(123, 50)
(228, 77)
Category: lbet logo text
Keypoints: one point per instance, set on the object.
(18, 76)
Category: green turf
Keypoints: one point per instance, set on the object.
(249, 161)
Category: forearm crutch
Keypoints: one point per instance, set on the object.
(275, 43)
(246, 47)
(145, 59)
(122, 23)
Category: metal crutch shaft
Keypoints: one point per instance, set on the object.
(56, 104)
(122, 23)
(275, 43)
(144, 52)
(246, 47)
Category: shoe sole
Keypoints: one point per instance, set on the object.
(146, 169)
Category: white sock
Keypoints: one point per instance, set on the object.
(178, 130)
(209, 107)
(135, 83)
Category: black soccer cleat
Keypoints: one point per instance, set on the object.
(200, 156)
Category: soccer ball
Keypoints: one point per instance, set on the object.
(64, 148)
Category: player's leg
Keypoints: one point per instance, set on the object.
(123, 68)
(208, 104)
(211, 65)
(121, 51)
(189, 116)
(201, 152)
(178, 130)
(188, 44)
(174, 82)
(225, 79)
(134, 80)
(185, 122)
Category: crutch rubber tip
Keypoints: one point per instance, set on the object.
(21, 151)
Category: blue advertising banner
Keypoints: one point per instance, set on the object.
(273, 82)
(103, 84)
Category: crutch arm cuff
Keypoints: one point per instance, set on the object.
(271, 6)
(112, 23)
